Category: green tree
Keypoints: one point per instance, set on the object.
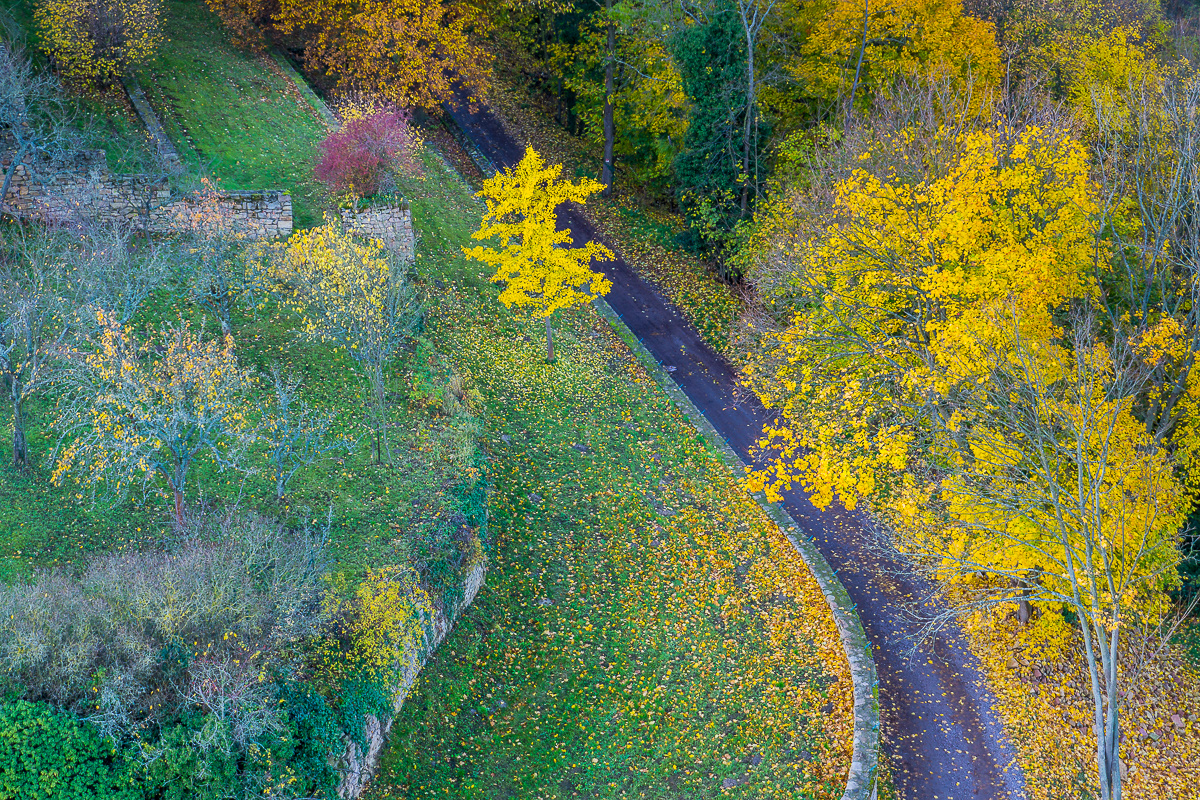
(49, 754)
(534, 261)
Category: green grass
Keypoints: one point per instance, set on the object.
(232, 114)
(644, 631)
(379, 512)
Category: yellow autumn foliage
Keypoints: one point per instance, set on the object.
(905, 39)
(904, 275)
(138, 416)
(98, 41)
(535, 262)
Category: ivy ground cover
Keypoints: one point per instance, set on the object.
(645, 631)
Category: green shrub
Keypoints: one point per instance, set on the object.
(50, 755)
(203, 756)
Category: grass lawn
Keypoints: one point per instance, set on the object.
(644, 631)
(232, 113)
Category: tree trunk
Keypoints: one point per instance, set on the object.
(20, 447)
(549, 343)
(1024, 609)
(1103, 664)
(606, 172)
(383, 450)
(178, 491)
(858, 68)
(751, 105)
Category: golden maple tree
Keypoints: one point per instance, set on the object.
(535, 262)
(411, 52)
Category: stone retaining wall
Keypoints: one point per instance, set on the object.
(357, 764)
(390, 223)
(85, 190)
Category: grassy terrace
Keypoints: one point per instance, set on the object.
(645, 631)
(234, 114)
(270, 144)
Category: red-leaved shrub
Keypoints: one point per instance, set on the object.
(360, 158)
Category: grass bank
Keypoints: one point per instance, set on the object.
(645, 630)
(233, 114)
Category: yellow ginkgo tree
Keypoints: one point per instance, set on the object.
(534, 261)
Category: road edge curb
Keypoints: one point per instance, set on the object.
(860, 781)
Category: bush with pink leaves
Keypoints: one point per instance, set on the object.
(361, 158)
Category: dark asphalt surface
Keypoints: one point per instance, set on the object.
(944, 739)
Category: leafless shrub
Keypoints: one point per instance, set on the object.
(137, 634)
(238, 708)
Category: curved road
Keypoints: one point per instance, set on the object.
(944, 740)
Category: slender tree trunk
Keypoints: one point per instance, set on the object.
(178, 492)
(1105, 724)
(751, 108)
(383, 450)
(549, 343)
(20, 447)
(858, 67)
(610, 134)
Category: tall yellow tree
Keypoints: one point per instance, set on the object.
(535, 262)
(942, 366)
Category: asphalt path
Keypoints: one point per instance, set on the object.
(944, 740)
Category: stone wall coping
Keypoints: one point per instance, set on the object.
(861, 779)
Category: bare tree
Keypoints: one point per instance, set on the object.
(34, 121)
(34, 323)
(1148, 160)
(111, 272)
(753, 15)
(296, 435)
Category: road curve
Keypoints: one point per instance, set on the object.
(944, 740)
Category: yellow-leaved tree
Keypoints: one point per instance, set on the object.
(900, 272)
(854, 49)
(139, 411)
(99, 40)
(412, 52)
(941, 365)
(354, 293)
(534, 260)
